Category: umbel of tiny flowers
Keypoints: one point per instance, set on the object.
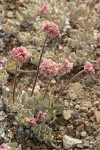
(4, 147)
(51, 28)
(88, 67)
(41, 116)
(43, 10)
(20, 55)
(49, 68)
(68, 65)
(32, 122)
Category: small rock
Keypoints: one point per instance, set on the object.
(89, 81)
(98, 143)
(75, 114)
(77, 107)
(67, 114)
(96, 103)
(9, 14)
(80, 146)
(66, 103)
(80, 128)
(69, 142)
(86, 144)
(83, 134)
(28, 148)
(90, 112)
(70, 130)
(84, 109)
(90, 129)
(97, 115)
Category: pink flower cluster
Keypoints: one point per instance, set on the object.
(98, 60)
(41, 116)
(4, 147)
(98, 8)
(20, 54)
(88, 67)
(52, 29)
(32, 121)
(49, 68)
(97, 37)
(43, 9)
(68, 65)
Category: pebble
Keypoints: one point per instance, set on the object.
(69, 142)
(84, 109)
(67, 114)
(28, 148)
(77, 107)
(90, 129)
(80, 128)
(83, 134)
(86, 144)
(75, 114)
(98, 143)
(97, 115)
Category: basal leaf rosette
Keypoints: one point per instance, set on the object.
(3, 76)
(11, 65)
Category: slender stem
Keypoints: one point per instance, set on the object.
(91, 8)
(16, 6)
(77, 2)
(26, 71)
(34, 82)
(15, 80)
(79, 73)
(47, 87)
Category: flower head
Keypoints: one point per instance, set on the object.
(49, 68)
(4, 147)
(41, 116)
(88, 67)
(32, 121)
(68, 65)
(20, 54)
(52, 29)
(43, 9)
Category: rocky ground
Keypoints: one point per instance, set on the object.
(79, 126)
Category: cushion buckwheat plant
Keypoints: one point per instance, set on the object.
(35, 111)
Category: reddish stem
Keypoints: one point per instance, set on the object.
(16, 6)
(91, 8)
(77, 2)
(26, 71)
(47, 88)
(34, 82)
(15, 80)
(79, 73)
